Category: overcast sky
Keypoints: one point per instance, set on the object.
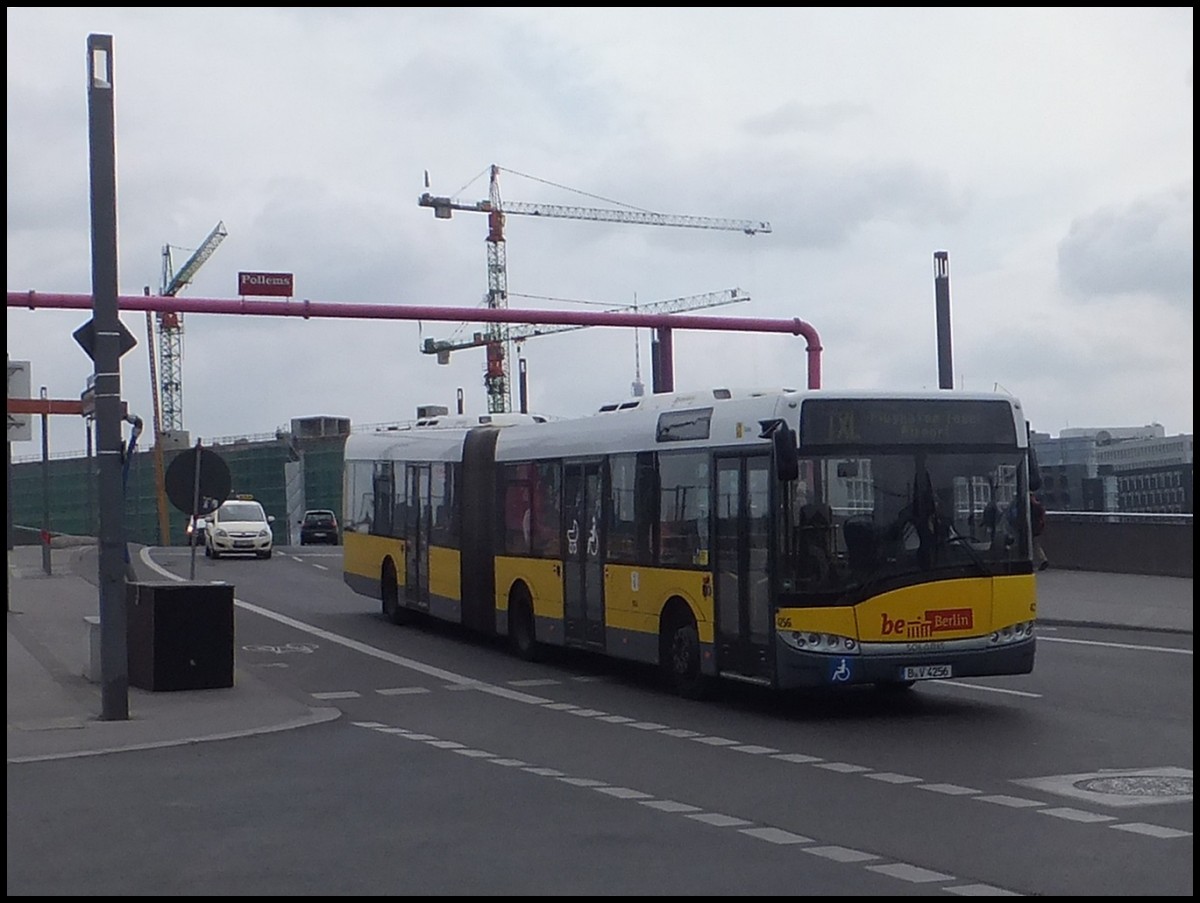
(1048, 151)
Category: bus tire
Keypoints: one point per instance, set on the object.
(389, 592)
(522, 634)
(680, 660)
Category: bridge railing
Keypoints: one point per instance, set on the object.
(1121, 543)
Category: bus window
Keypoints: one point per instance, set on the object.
(443, 502)
(518, 508)
(359, 496)
(546, 500)
(622, 516)
(532, 496)
(384, 497)
(683, 509)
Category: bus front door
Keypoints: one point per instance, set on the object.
(742, 576)
(583, 568)
(416, 535)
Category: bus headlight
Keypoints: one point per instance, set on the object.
(821, 643)
(1013, 633)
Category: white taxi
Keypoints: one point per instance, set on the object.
(238, 526)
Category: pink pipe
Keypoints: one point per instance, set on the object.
(307, 309)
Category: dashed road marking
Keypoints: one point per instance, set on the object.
(772, 834)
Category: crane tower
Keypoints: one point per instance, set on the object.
(498, 340)
(166, 379)
(170, 329)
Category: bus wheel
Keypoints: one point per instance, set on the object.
(680, 660)
(521, 633)
(389, 590)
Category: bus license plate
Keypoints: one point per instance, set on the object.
(926, 672)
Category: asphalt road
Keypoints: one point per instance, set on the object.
(456, 768)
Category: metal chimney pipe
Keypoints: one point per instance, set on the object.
(941, 289)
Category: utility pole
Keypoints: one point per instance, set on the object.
(114, 661)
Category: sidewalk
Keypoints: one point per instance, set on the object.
(54, 710)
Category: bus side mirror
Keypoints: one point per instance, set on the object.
(787, 454)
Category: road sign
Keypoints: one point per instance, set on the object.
(20, 426)
(279, 284)
(85, 335)
(181, 483)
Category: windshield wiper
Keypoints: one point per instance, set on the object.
(953, 537)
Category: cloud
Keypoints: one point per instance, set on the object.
(868, 138)
(1144, 248)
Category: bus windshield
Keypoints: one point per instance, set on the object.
(853, 525)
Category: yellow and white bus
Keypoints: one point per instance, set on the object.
(781, 537)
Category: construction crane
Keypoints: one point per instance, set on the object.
(528, 331)
(170, 327)
(166, 379)
(498, 338)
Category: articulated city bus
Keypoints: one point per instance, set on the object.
(782, 537)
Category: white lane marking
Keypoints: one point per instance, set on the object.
(902, 871)
(842, 767)
(890, 777)
(776, 835)
(402, 691)
(979, 890)
(623, 793)
(951, 789)
(320, 567)
(912, 873)
(1136, 647)
(1013, 802)
(1076, 815)
(1138, 827)
(717, 820)
(670, 806)
(340, 694)
(840, 854)
(799, 758)
(1004, 691)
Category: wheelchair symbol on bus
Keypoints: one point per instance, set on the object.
(593, 543)
(841, 673)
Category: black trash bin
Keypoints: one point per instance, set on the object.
(180, 635)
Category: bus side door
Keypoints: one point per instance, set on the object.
(416, 535)
(583, 553)
(742, 551)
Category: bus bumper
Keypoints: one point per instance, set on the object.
(798, 670)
